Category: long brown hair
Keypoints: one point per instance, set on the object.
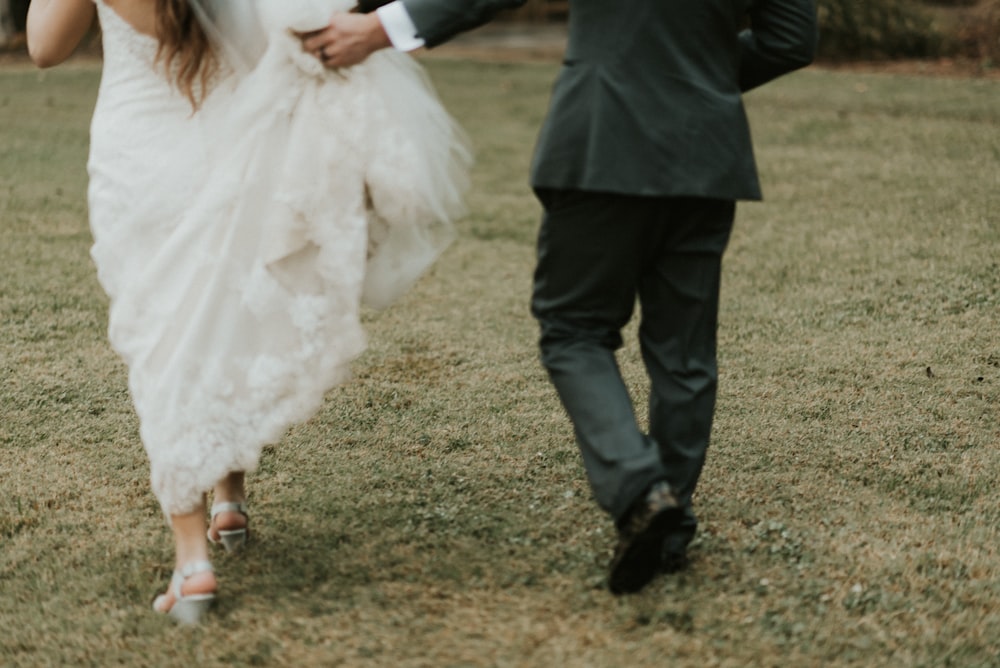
(185, 50)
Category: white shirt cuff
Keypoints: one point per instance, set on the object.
(399, 26)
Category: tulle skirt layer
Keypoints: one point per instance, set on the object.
(238, 260)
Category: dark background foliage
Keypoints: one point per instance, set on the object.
(854, 29)
(886, 29)
(865, 29)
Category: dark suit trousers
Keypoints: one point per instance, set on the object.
(598, 253)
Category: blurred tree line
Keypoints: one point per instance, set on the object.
(12, 15)
(883, 29)
(849, 29)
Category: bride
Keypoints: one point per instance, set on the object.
(244, 203)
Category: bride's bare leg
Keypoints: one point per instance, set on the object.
(229, 490)
(192, 546)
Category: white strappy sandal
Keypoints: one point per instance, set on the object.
(232, 540)
(187, 609)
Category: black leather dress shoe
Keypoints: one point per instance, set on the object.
(637, 557)
(673, 562)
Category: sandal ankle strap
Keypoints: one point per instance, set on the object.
(229, 507)
(186, 571)
(193, 568)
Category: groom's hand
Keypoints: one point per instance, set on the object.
(348, 40)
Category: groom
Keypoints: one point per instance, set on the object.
(639, 163)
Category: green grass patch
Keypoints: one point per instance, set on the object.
(435, 512)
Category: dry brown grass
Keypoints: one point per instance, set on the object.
(435, 514)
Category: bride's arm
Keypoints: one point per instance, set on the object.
(56, 27)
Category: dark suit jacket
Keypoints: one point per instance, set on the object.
(648, 101)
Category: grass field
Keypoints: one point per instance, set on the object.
(435, 512)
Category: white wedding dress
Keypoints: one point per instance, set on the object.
(238, 243)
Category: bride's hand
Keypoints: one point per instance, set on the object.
(347, 40)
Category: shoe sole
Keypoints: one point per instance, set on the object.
(639, 562)
(189, 610)
(232, 541)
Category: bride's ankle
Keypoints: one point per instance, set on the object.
(230, 489)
